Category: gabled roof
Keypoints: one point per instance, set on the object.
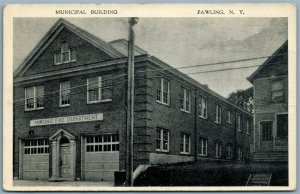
(54, 31)
(277, 52)
(122, 46)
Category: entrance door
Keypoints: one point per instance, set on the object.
(65, 159)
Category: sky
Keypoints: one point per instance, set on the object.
(179, 42)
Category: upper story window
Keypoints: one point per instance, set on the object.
(203, 107)
(229, 117)
(247, 126)
(239, 123)
(162, 140)
(185, 144)
(277, 91)
(218, 149)
(185, 100)
(34, 98)
(64, 94)
(98, 89)
(218, 114)
(65, 55)
(163, 91)
(202, 146)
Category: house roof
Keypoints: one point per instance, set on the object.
(252, 77)
(54, 31)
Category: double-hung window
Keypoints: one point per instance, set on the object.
(218, 149)
(185, 100)
(163, 91)
(34, 97)
(229, 152)
(277, 91)
(98, 90)
(247, 126)
(229, 119)
(203, 107)
(64, 94)
(162, 140)
(202, 146)
(65, 55)
(240, 153)
(239, 123)
(218, 114)
(185, 143)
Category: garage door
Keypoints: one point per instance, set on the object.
(35, 163)
(101, 157)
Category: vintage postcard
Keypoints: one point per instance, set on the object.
(149, 97)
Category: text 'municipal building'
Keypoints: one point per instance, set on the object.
(70, 111)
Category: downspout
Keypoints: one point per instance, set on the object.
(196, 124)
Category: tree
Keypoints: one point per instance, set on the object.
(243, 99)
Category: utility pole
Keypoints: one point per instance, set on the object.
(130, 103)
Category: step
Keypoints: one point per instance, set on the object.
(262, 179)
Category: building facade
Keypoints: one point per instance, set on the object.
(70, 111)
(271, 103)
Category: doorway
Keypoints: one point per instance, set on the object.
(65, 158)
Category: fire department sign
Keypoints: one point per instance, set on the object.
(68, 119)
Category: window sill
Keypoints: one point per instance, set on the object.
(185, 153)
(185, 111)
(229, 122)
(165, 104)
(29, 110)
(66, 62)
(64, 106)
(101, 101)
(203, 117)
(217, 122)
(202, 155)
(162, 151)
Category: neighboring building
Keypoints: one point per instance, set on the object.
(70, 111)
(271, 103)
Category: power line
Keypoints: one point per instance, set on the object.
(211, 71)
(83, 91)
(217, 63)
(57, 91)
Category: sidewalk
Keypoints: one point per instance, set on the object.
(46, 183)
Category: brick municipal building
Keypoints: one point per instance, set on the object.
(70, 111)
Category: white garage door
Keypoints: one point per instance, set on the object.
(101, 157)
(35, 164)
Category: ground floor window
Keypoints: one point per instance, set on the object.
(162, 140)
(229, 152)
(36, 146)
(203, 146)
(185, 144)
(218, 149)
(266, 128)
(240, 153)
(102, 143)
